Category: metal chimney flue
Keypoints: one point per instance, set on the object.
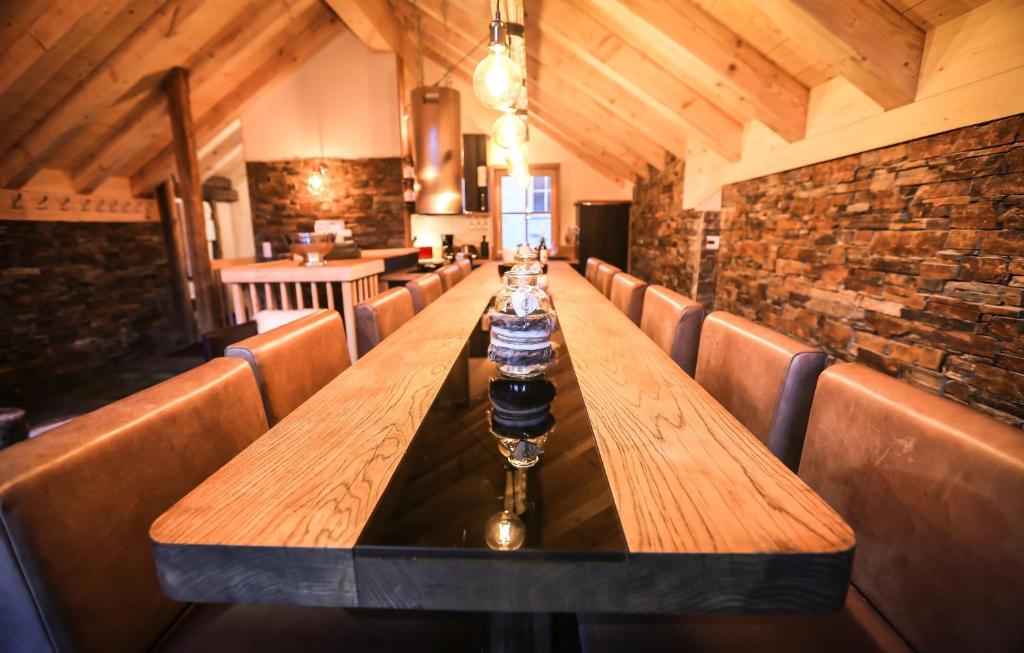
(437, 138)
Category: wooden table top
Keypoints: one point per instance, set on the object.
(713, 521)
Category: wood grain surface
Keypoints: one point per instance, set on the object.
(713, 521)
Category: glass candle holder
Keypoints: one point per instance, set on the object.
(521, 323)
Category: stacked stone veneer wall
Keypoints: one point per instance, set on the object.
(366, 193)
(77, 297)
(909, 259)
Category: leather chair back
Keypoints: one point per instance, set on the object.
(465, 265)
(424, 290)
(628, 295)
(605, 273)
(292, 362)
(763, 378)
(935, 493)
(591, 270)
(382, 315)
(450, 275)
(673, 322)
(76, 567)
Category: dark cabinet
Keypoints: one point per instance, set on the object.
(604, 232)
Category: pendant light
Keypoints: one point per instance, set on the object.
(509, 131)
(316, 182)
(497, 79)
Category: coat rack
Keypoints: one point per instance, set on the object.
(62, 207)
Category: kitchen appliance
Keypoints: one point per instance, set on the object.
(474, 171)
(437, 140)
(603, 232)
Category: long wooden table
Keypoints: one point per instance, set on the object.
(712, 520)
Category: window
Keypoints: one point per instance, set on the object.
(526, 214)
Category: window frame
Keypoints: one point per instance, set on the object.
(540, 169)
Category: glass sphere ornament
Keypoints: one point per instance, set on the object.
(509, 131)
(497, 80)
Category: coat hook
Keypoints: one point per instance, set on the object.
(16, 202)
(101, 204)
(42, 203)
(86, 203)
(113, 206)
(64, 204)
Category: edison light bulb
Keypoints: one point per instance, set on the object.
(497, 79)
(509, 131)
(316, 180)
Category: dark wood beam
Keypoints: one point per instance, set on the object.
(178, 262)
(208, 306)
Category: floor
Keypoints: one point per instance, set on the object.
(108, 387)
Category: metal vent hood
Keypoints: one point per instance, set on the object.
(437, 140)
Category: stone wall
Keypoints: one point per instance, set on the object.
(909, 259)
(366, 193)
(667, 242)
(77, 297)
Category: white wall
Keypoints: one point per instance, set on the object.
(351, 91)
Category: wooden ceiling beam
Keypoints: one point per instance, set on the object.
(39, 38)
(625, 66)
(603, 165)
(711, 58)
(304, 41)
(867, 41)
(164, 36)
(373, 23)
(146, 127)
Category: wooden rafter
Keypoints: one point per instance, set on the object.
(237, 46)
(300, 43)
(629, 68)
(711, 58)
(373, 22)
(870, 43)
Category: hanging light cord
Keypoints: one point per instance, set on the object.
(461, 59)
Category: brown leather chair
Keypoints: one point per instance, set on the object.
(76, 570)
(76, 564)
(763, 378)
(381, 315)
(673, 322)
(605, 273)
(466, 265)
(424, 290)
(935, 493)
(591, 270)
(450, 275)
(627, 294)
(292, 362)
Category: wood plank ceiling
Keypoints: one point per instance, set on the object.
(619, 82)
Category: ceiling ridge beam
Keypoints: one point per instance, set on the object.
(712, 59)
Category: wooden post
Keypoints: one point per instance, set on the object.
(176, 255)
(209, 309)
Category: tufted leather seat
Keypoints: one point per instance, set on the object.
(381, 315)
(424, 290)
(605, 273)
(466, 265)
(76, 570)
(627, 294)
(450, 275)
(763, 378)
(292, 362)
(591, 271)
(673, 322)
(935, 493)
